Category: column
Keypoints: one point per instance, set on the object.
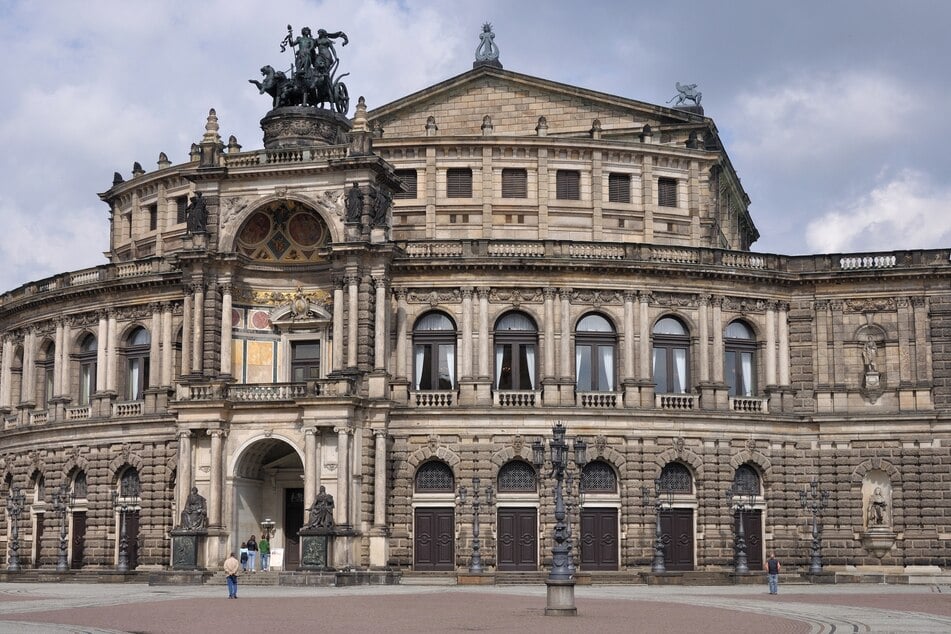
(112, 350)
(400, 332)
(58, 363)
(771, 343)
(64, 358)
(379, 480)
(198, 315)
(465, 365)
(167, 344)
(338, 326)
(628, 336)
(484, 332)
(566, 357)
(923, 360)
(187, 333)
(717, 339)
(343, 476)
(101, 360)
(29, 367)
(548, 327)
(6, 373)
(784, 344)
(217, 483)
(380, 334)
(226, 330)
(184, 465)
(353, 317)
(310, 465)
(155, 349)
(704, 338)
(645, 357)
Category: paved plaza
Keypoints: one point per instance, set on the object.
(27, 608)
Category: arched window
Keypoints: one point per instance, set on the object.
(595, 343)
(746, 481)
(675, 478)
(45, 367)
(517, 476)
(137, 363)
(39, 489)
(516, 339)
(671, 356)
(434, 352)
(16, 370)
(598, 477)
(79, 488)
(87, 368)
(129, 483)
(435, 477)
(739, 359)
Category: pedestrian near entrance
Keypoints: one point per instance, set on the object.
(264, 547)
(252, 552)
(772, 573)
(231, 567)
(244, 556)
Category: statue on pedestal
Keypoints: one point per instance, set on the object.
(195, 513)
(322, 511)
(877, 513)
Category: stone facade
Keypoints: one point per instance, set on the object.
(392, 323)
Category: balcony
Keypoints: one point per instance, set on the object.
(265, 392)
(681, 402)
(39, 418)
(78, 413)
(127, 409)
(436, 398)
(598, 399)
(516, 398)
(749, 404)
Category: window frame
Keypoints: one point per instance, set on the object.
(514, 182)
(87, 359)
(518, 342)
(410, 178)
(669, 343)
(137, 354)
(595, 340)
(733, 350)
(565, 189)
(619, 187)
(459, 182)
(667, 192)
(429, 343)
(304, 363)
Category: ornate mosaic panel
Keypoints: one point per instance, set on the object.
(284, 231)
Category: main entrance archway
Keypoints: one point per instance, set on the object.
(268, 484)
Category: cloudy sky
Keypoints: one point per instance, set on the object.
(833, 112)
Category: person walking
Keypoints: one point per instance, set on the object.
(231, 567)
(244, 556)
(252, 552)
(264, 547)
(772, 567)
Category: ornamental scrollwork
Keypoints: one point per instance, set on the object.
(516, 296)
(433, 298)
(870, 305)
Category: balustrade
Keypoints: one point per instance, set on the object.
(515, 398)
(441, 398)
(675, 401)
(749, 404)
(597, 399)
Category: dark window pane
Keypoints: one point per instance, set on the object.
(181, 204)
(667, 192)
(408, 178)
(568, 185)
(619, 188)
(514, 183)
(434, 476)
(517, 476)
(459, 183)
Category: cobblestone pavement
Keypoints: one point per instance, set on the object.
(98, 608)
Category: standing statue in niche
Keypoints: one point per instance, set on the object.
(354, 204)
(877, 509)
(322, 511)
(196, 215)
(195, 513)
(380, 208)
(869, 351)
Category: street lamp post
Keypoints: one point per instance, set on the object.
(658, 564)
(123, 504)
(15, 503)
(267, 528)
(61, 503)
(744, 500)
(475, 563)
(815, 500)
(560, 582)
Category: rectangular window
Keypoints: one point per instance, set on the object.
(87, 381)
(181, 204)
(408, 178)
(153, 217)
(305, 361)
(459, 182)
(568, 185)
(667, 192)
(514, 183)
(619, 188)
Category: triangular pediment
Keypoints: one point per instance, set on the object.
(514, 102)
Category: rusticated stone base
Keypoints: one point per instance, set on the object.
(296, 126)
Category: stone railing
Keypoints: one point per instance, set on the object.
(868, 262)
(439, 398)
(516, 249)
(78, 413)
(40, 417)
(516, 398)
(127, 409)
(675, 401)
(286, 156)
(743, 261)
(586, 250)
(264, 392)
(674, 255)
(749, 404)
(434, 249)
(598, 399)
(267, 391)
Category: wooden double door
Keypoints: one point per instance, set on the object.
(753, 535)
(434, 542)
(78, 553)
(599, 539)
(517, 538)
(677, 534)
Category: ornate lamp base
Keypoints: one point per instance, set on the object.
(561, 598)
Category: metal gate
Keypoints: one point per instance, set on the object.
(434, 541)
(599, 539)
(518, 538)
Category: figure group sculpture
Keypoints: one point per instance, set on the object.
(313, 80)
(686, 92)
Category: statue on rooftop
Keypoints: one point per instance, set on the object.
(487, 51)
(313, 80)
(196, 215)
(686, 92)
